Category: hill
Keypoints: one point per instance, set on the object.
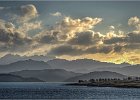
(15, 78)
(81, 65)
(133, 70)
(24, 65)
(96, 75)
(48, 75)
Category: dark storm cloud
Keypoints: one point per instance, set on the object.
(6, 36)
(99, 49)
(129, 38)
(47, 37)
(11, 39)
(133, 38)
(118, 48)
(65, 50)
(75, 51)
(83, 38)
(132, 46)
(115, 40)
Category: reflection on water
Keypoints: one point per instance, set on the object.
(60, 91)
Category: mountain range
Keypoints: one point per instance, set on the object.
(47, 75)
(81, 65)
(24, 65)
(96, 75)
(61, 70)
(133, 70)
(9, 58)
(60, 75)
(15, 78)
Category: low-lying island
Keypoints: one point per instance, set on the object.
(125, 83)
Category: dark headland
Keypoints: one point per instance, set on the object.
(130, 82)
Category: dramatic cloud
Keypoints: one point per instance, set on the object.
(86, 38)
(20, 14)
(134, 37)
(47, 37)
(68, 29)
(99, 49)
(123, 39)
(65, 50)
(14, 36)
(69, 38)
(71, 26)
(115, 40)
(29, 26)
(12, 40)
(8, 33)
(104, 49)
(135, 21)
(22, 17)
(89, 42)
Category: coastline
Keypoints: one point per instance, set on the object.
(117, 85)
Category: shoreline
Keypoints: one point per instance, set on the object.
(121, 85)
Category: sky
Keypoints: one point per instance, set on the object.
(107, 31)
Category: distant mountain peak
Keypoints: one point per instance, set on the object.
(24, 65)
(86, 60)
(10, 58)
(81, 65)
(96, 75)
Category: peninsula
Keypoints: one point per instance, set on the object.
(130, 82)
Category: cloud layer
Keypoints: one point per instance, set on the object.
(69, 38)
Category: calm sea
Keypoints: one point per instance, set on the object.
(60, 91)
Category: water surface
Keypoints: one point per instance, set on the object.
(15, 90)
